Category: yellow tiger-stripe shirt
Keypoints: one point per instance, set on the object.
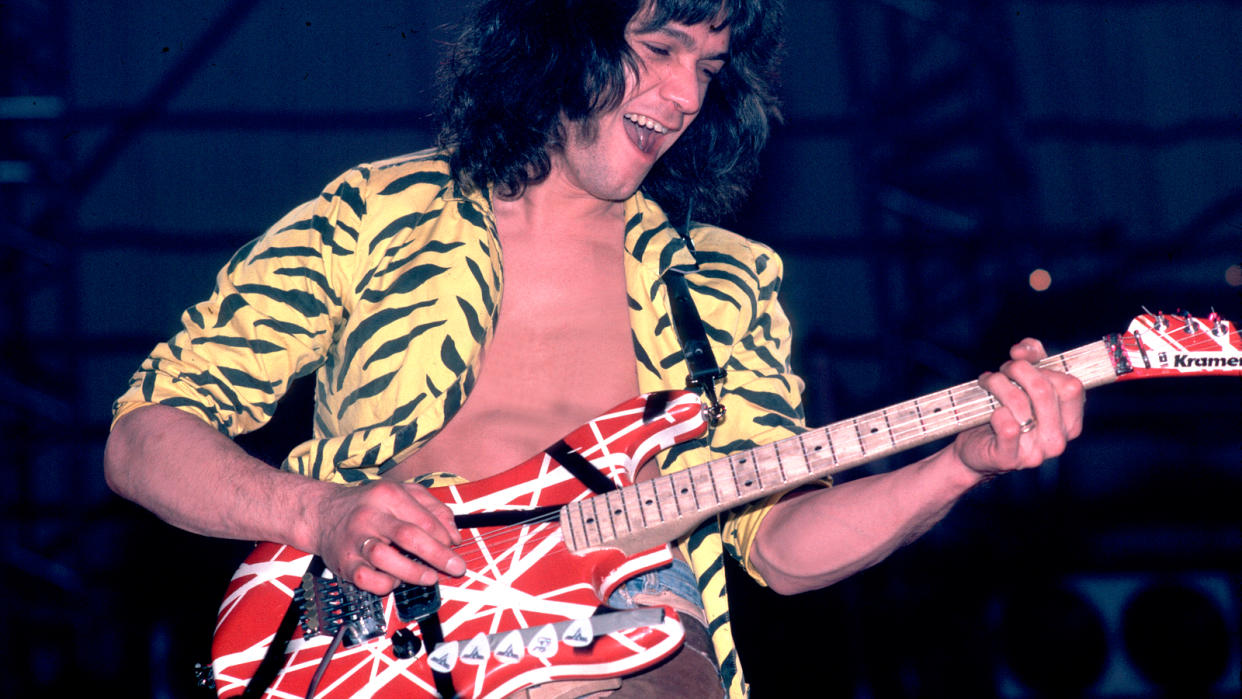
(387, 286)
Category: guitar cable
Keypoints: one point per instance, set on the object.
(323, 662)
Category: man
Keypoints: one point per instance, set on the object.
(521, 265)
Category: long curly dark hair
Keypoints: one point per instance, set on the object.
(521, 64)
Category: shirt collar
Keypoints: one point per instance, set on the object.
(651, 240)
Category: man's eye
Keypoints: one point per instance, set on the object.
(657, 50)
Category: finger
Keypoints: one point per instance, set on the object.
(415, 557)
(1029, 349)
(1072, 397)
(1015, 404)
(437, 509)
(413, 541)
(369, 578)
(393, 503)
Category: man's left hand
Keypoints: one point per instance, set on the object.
(1040, 411)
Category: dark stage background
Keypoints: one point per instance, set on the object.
(934, 155)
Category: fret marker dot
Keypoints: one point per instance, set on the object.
(684, 491)
(649, 501)
(874, 430)
(616, 512)
(590, 520)
(747, 483)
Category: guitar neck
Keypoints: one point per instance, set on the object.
(656, 511)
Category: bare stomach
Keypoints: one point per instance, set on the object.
(538, 383)
(488, 437)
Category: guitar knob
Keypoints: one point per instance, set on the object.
(405, 644)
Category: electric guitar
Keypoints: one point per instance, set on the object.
(547, 541)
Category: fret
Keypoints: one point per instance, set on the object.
(572, 535)
(644, 495)
(654, 502)
(847, 448)
(758, 459)
(872, 433)
(953, 403)
(755, 461)
(615, 500)
(737, 489)
(633, 502)
(691, 489)
(803, 459)
(599, 527)
(746, 485)
(935, 409)
(667, 496)
(792, 458)
(710, 467)
(820, 447)
(832, 450)
(1064, 361)
(888, 427)
(858, 438)
(905, 423)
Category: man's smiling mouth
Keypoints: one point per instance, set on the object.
(646, 133)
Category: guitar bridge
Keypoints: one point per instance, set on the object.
(329, 604)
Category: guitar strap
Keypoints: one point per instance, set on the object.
(696, 350)
(274, 659)
(433, 635)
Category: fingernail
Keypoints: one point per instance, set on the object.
(457, 567)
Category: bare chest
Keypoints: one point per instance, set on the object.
(561, 355)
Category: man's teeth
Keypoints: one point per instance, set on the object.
(647, 123)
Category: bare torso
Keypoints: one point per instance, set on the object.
(561, 353)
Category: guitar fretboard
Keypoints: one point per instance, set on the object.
(652, 512)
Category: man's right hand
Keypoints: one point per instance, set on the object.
(195, 478)
(378, 534)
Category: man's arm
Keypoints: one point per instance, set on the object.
(197, 479)
(816, 538)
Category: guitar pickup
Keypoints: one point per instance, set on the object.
(416, 602)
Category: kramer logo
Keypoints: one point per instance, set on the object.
(1183, 361)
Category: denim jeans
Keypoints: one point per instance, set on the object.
(656, 586)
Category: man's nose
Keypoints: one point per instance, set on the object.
(681, 86)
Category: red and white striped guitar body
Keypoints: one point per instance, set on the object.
(554, 572)
(520, 577)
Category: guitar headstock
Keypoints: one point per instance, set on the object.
(1177, 344)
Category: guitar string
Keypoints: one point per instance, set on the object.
(917, 426)
(900, 431)
(963, 412)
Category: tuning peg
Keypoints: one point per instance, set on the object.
(1158, 321)
(1218, 326)
(1191, 328)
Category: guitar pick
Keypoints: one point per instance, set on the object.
(544, 643)
(476, 651)
(511, 648)
(579, 634)
(444, 658)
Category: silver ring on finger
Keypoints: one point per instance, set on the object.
(1025, 427)
(365, 547)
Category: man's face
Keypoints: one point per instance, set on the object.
(676, 63)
